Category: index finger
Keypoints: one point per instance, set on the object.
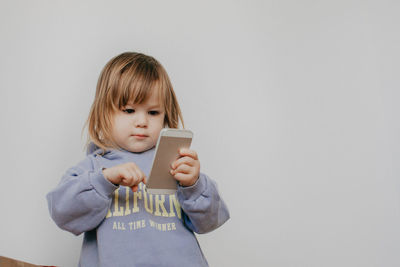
(188, 152)
(133, 167)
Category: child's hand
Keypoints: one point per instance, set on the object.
(186, 169)
(127, 174)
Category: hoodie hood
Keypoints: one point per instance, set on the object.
(116, 153)
(108, 154)
(92, 148)
(119, 156)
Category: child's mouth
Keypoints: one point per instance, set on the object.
(139, 136)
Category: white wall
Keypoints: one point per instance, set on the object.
(294, 105)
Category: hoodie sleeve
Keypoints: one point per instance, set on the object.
(204, 210)
(81, 200)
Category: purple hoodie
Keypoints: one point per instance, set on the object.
(125, 228)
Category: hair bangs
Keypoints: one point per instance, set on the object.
(136, 84)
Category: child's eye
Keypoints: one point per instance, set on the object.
(129, 110)
(154, 112)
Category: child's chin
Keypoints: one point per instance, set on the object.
(140, 148)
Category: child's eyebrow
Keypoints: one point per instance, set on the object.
(155, 106)
(150, 106)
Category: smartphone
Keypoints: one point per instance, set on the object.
(160, 180)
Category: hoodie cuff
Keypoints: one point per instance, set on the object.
(194, 191)
(101, 184)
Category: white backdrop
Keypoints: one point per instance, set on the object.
(294, 106)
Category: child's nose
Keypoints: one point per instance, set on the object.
(141, 120)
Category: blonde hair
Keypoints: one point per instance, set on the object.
(129, 77)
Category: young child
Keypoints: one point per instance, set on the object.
(103, 196)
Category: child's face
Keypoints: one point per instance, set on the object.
(136, 127)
